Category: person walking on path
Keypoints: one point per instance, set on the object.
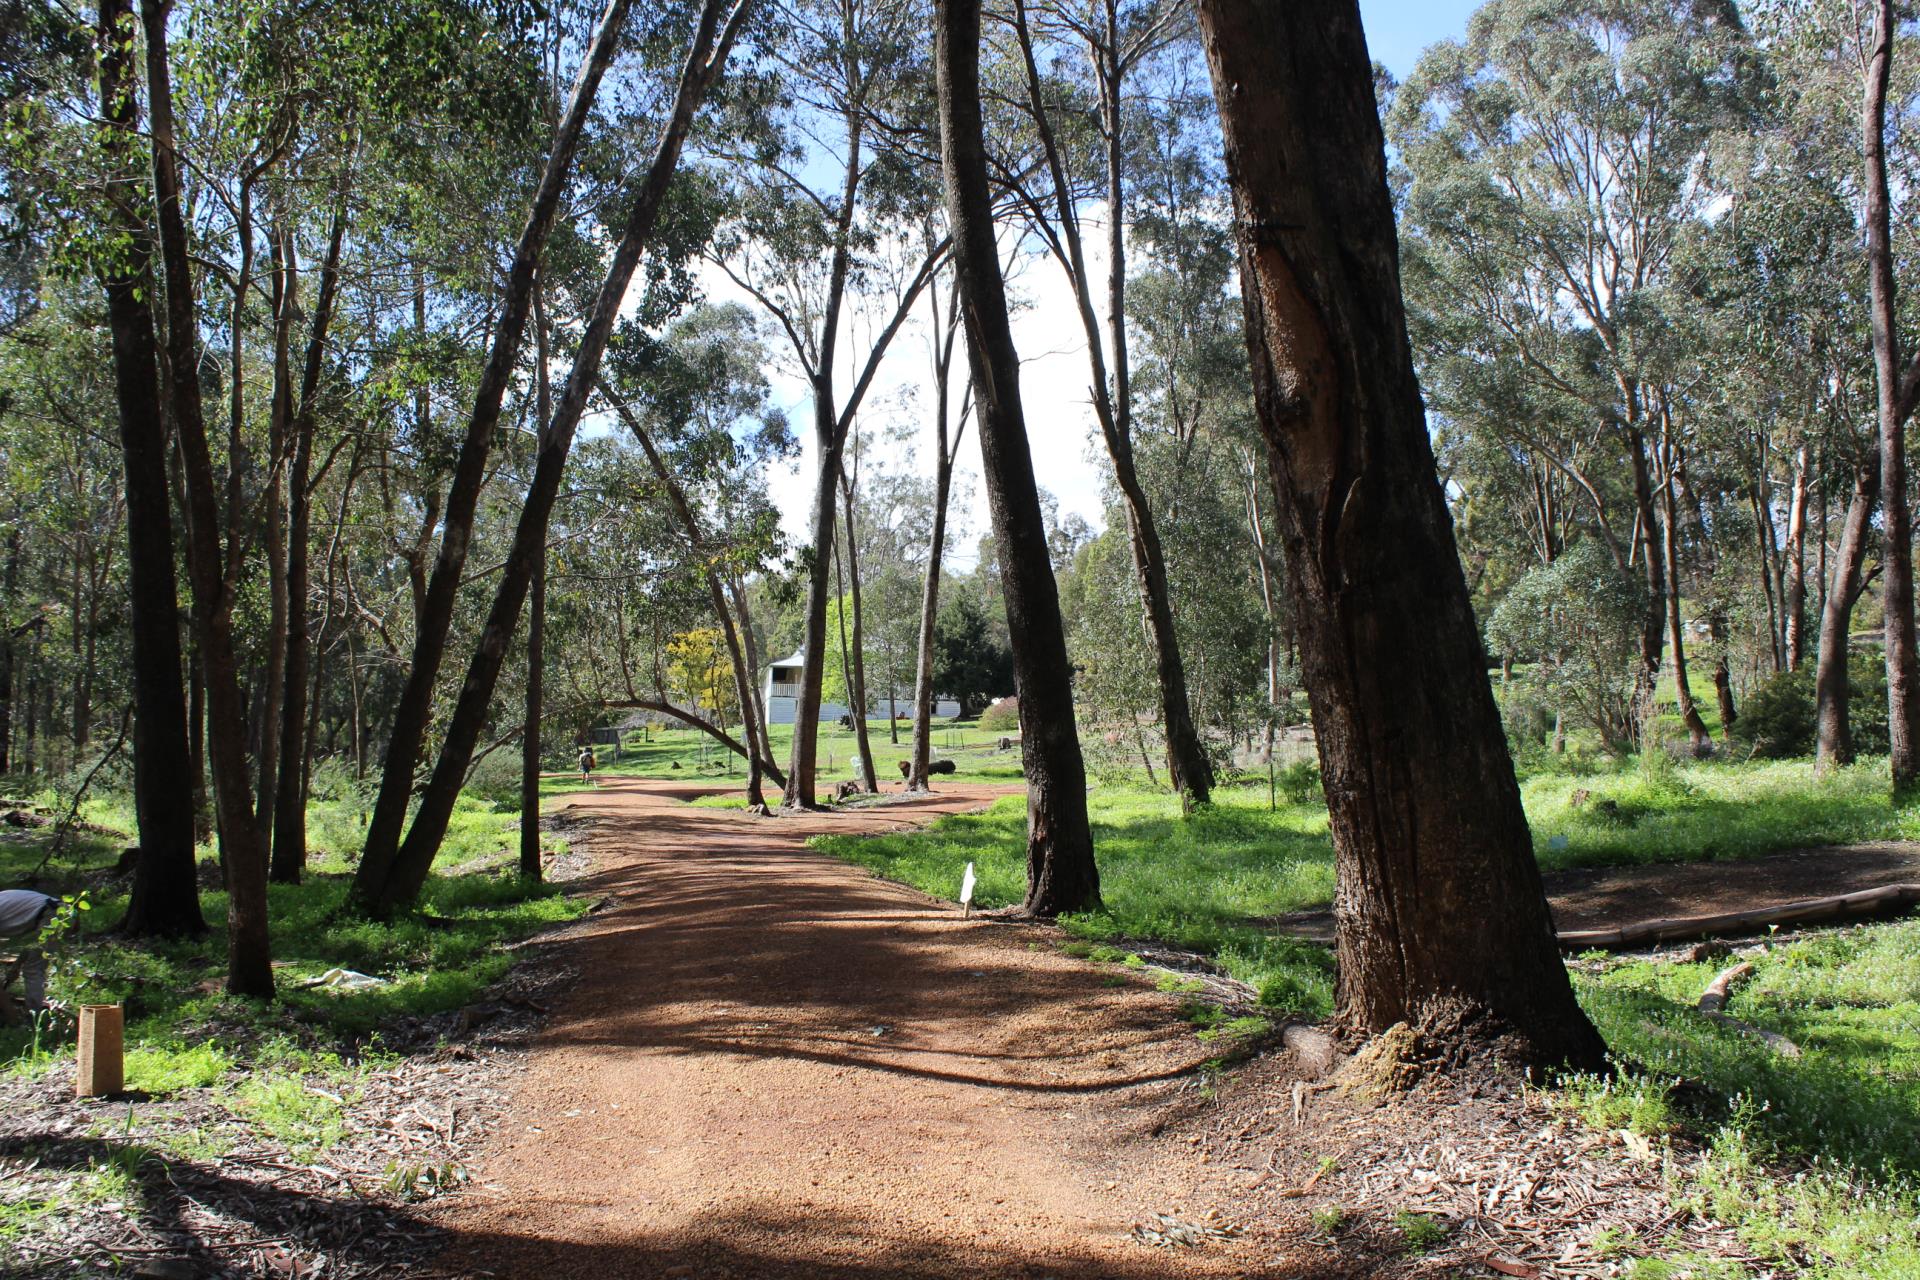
(587, 763)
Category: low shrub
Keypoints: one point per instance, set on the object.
(1778, 723)
(1003, 716)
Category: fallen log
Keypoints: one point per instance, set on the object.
(1713, 1003)
(1888, 899)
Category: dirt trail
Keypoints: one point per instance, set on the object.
(774, 1064)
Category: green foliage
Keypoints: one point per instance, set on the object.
(1421, 1232)
(1003, 716)
(159, 1068)
(970, 661)
(1300, 782)
(1578, 619)
(495, 778)
(1778, 720)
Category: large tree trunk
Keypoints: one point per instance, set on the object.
(288, 858)
(1831, 693)
(1896, 555)
(436, 604)
(1061, 875)
(214, 574)
(530, 722)
(165, 898)
(536, 620)
(1440, 916)
(398, 883)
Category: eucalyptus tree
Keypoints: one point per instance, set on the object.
(698, 403)
(1061, 873)
(75, 210)
(456, 515)
(826, 211)
(1552, 161)
(1440, 917)
(389, 882)
(1118, 40)
(949, 426)
(1842, 112)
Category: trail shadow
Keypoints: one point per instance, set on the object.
(358, 1235)
(757, 1245)
(734, 942)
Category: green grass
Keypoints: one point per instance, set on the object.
(1845, 1114)
(183, 1031)
(1213, 882)
(1845, 1117)
(1208, 883)
(1708, 809)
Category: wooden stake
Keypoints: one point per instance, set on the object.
(102, 1051)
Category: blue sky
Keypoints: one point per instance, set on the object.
(1397, 30)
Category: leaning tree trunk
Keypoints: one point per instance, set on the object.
(435, 604)
(407, 873)
(165, 899)
(536, 620)
(1061, 875)
(1832, 719)
(1896, 550)
(214, 574)
(1440, 916)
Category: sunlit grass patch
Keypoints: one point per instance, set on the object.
(1210, 882)
(1844, 1116)
(1707, 809)
(305, 1119)
(158, 1068)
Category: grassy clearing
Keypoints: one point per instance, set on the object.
(1209, 883)
(1691, 812)
(699, 758)
(1215, 882)
(1845, 1115)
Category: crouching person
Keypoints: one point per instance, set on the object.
(23, 914)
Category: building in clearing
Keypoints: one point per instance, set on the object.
(781, 688)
